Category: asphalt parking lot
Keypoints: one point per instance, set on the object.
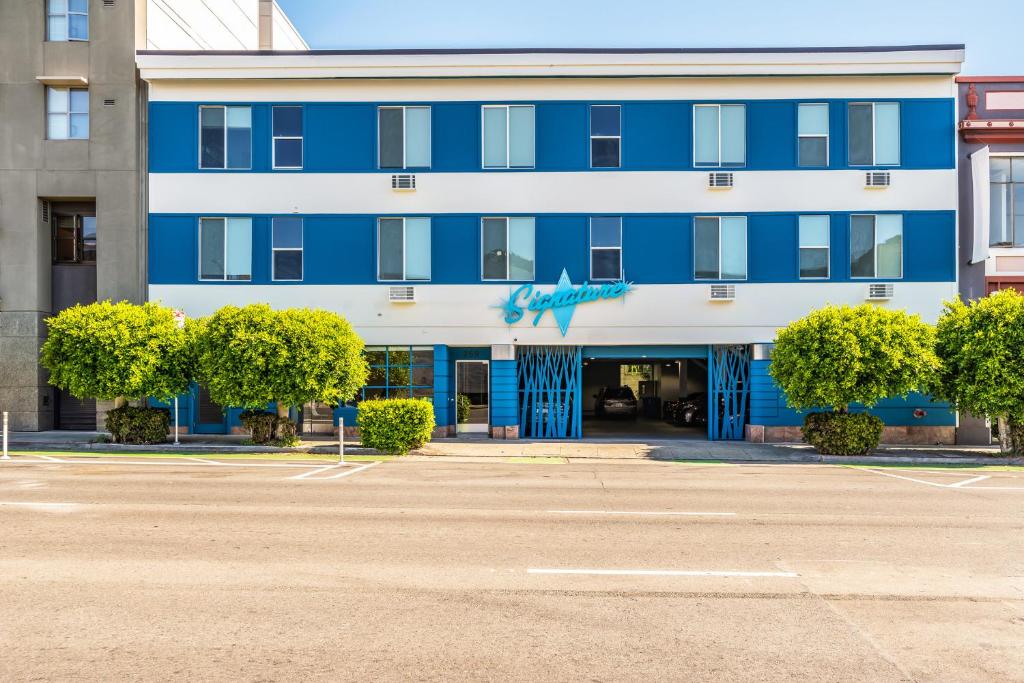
(216, 569)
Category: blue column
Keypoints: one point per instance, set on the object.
(442, 387)
(504, 393)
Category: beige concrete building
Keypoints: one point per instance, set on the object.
(73, 165)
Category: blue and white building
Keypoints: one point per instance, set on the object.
(526, 227)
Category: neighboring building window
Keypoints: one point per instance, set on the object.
(606, 248)
(814, 241)
(508, 248)
(812, 135)
(225, 137)
(225, 249)
(286, 247)
(605, 135)
(719, 134)
(67, 113)
(874, 133)
(287, 134)
(399, 372)
(74, 238)
(1006, 201)
(508, 136)
(403, 249)
(876, 246)
(67, 20)
(720, 248)
(403, 137)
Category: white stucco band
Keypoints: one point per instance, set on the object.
(548, 192)
(651, 314)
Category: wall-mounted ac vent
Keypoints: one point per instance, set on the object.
(722, 293)
(108, 3)
(877, 179)
(720, 180)
(880, 291)
(404, 182)
(402, 294)
(109, 102)
(44, 211)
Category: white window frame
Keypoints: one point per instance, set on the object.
(1006, 247)
(225, 256)
(67, 113)
(67, 23)
(593, 137)
(508, 232)
(405, 249)
(508, 137)
(405, 138)
(827, 248)
(225, 166)
(592, 249)
(874, 248)
(874, 128)
(301, 249)
(693, 136)
(274, 138)
(828, 133)
(746, 242)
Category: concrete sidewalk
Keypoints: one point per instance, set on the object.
(588, 449)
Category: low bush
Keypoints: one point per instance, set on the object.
(842, 433)
(287, 433)
(463, 406)
(133, 425)
(261, 425)
(396, 425)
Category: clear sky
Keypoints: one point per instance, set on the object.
(992, 30)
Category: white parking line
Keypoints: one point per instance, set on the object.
(663, 572)
(961, 485)
(311, 476)
(358, 469)
(317, 471)
(652, 513)
(965, 482)
(45, 507)
(193, 463)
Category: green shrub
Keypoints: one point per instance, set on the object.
(842, 433)
(262, 425)
(462, 408)
(129, 424)
(396, 425)
(287, 433)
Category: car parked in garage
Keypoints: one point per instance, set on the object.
(615, 402)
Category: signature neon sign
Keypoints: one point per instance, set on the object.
(561, 301)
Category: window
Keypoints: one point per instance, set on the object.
(812, 135)
(67, 20)
(403, 249)
(403, 137)
(286, 248)
(876, 246)
(1006, 201)
(814, 240)
(605, 135)
(874, 133)
(606, 248)
(74, 238)
(225, 137)
(67, 113)
(399, 372)
(225, 249)
(719, 134)
(508, 248)
(508, 136)
(287, 134)
(720, 248)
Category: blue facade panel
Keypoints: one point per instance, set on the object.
(768, 406)
(504, 393)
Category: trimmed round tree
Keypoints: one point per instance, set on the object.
(251, 356)
(981, 349)
(119, 352)
(840, 355)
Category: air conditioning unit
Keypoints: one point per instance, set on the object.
(720, 180)
(402, 294)
(722, 293)
(877, 179)
(403, 182)
(880, 291)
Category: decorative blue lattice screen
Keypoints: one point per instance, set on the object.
(550, 396)
(729, 378)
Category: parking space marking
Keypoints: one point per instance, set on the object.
(320, 469)
(350, 472)
(312, 475)
(652, 513)
(964, 485)
(193, 462)
(44, 507)
(663, 572)
(965, 482)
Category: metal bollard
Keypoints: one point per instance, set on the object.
(341, 440)
(5, 456)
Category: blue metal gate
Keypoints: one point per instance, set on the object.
(550, 392)
(729, 380)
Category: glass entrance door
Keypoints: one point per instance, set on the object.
(472, 392)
